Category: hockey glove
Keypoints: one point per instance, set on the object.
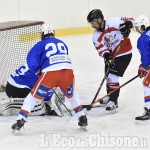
(125, 28)
(146, 81)
(142, 71)
(108, 60)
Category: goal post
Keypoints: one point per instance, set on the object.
(16, 39)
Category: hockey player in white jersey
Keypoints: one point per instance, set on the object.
(108, 36)
(143, 44)
(51, 54)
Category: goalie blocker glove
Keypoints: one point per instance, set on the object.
(125, 28)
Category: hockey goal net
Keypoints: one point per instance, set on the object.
(16, 39)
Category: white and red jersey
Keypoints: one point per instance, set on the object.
(110, 38)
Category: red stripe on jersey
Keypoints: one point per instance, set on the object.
(100, 46)
(125, 47)
(106, 31)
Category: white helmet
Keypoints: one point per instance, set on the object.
(47, 29)
(141, 22)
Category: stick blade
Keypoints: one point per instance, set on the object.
(88, 107)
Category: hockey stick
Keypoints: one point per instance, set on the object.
(98, 100)
(62, 102)
(72, 110)
(88, 107)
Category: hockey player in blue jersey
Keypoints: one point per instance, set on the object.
(143, 44)
(51, 55)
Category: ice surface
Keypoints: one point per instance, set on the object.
(116, 131)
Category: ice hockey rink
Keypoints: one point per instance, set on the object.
(117, 131)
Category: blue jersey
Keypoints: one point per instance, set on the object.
(49, 54)
(23, 77)
(143, 45)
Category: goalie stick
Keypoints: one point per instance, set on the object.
(62, 102)
(98, 100)
(88, 107)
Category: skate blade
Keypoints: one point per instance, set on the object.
(103, 105)
(84, 128)
(15, 132)
(142, 122)
(111, 112)
(18, 132)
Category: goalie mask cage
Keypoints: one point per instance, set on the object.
(16, 39)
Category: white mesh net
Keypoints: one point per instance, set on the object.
(17, 38)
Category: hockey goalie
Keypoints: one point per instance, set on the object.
(51, 105)
(19, 85)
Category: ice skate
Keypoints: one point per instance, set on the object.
(18, 125)
(105, 100)
(111, 107)
(49, 111)
(145, 116)
(83, 122)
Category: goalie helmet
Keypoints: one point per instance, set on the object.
(47, 30)
(94, 14)
(141, 23)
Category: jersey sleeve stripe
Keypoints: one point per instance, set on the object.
(100, 46)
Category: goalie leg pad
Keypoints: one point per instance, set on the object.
(10, 106)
